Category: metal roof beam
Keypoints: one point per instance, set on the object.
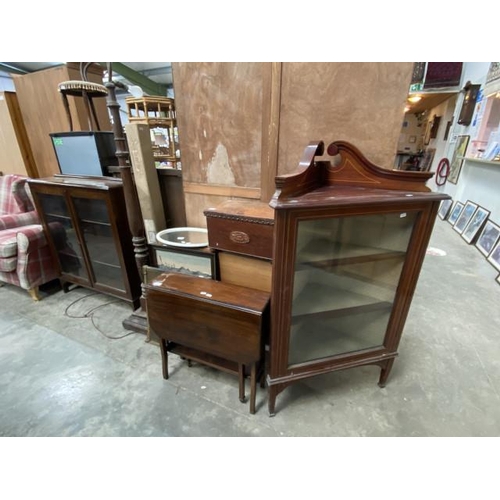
(146, 84)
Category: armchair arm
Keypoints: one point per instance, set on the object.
(18, 220)
(30, 239)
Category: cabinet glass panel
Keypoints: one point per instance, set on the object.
(63, 234)
(347, 271)
(98, 237)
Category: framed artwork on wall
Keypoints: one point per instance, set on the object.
(426, 161)
(465, 217)
(458, 157)
(488, 238)
(455, 213)
(475, 225)
(444, 208)
(494, 257)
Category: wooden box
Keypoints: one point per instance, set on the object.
(244, 227)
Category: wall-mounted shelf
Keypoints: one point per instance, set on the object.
(480, 160)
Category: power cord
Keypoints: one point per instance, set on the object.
(90, 314)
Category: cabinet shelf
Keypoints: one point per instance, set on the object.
(316, 254)
(327, 301)
(107, 264)
(58, 216)
(98, 223)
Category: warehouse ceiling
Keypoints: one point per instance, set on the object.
(144, 74)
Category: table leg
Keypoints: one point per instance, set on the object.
(253, 387)
(164, 358)
(241, 380)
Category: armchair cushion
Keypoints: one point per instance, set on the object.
(14, 195)
(10, 221)
(8, 243)
(8, 265)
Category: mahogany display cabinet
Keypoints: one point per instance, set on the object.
(85, 219)
(349, 242)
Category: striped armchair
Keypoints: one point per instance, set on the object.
(25, 258)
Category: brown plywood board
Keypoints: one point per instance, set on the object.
(219, 115)
(196, 204)
(43, 111)
(11, 157)
(362, 103)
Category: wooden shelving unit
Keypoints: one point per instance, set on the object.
(158, 113)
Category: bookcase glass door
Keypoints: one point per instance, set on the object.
(97, 233)
(63, 235)
(347, 271)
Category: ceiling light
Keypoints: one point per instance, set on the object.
(415, 98)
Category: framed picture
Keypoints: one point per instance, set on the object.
(444, 208)
(426, 160)
(465, 217)
(413, 139)
(494, 257)
(475, 224)
(458, 157)
(193, 261)
(455, 213)
(488, 238)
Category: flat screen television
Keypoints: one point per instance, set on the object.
(84, 153)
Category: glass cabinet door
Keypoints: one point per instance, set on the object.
(63, 235)
(97, 233)
(347, 270)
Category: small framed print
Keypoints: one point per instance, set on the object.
(475, 225)
(412, 139)
(444, 209)
(199, 262)
(465, 217)
(488, 238)
(494, 257)
(455, 213)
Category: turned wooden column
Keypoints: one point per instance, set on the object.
(134, 214)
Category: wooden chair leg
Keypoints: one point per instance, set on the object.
(68, 112)
(34, 292)
(86, 101)
(241, 380)
(94, 114)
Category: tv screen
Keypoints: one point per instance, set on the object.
(84, 153)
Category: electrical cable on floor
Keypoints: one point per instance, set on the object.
(90, 314)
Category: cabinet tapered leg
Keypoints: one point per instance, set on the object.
(241, 380)
(271, 399)
(164, 358)
(385, 372)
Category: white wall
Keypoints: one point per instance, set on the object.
(478, 182)
(6, 84)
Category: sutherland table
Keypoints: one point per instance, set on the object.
(214, 323)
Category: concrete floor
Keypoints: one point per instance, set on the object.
(60, 376)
